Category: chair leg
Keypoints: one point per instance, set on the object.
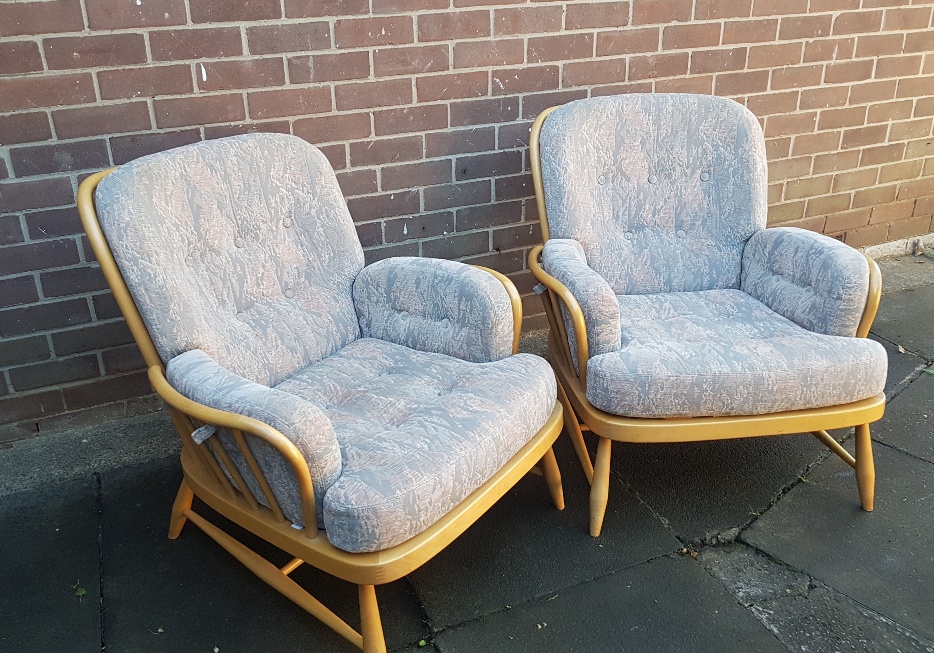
(182, 503)
(370, 625)
(577, 437)
(865, 467)
(553, 478)
(600, 489)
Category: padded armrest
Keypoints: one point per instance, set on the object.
(814, 281)
(197, 376)
(435, 306)
(563, 258)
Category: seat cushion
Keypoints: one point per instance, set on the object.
(721, 352)
(418, 432)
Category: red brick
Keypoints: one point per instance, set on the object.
(458, 245)
(777, 148)
(924, 107)
(453, 25)
(529, 79)
(872, 92)
(769, 103)
(318, 9)
(886, 111)
(199, 110)
(876, 45)
(36, 18)
(836, 161)
(329, 67)
(622, 89)
(368, 32)
(59, 157)
(419, 226)
(777, 7)
(397, 6)
(35, 194)
(94, 51)
(180, 44)
(796, 76)
(385, 150)
(410, 119)
(823, 97)
(474, 3)
(479, 112)
(534, 104)
(363, 95)
(804, 27)
(749, 31)
(514, 135)
(847, 220)
(373, 207)
(830, 49)
(904, 131)
(145, 82)
(789, 168)
(898, 66)
(702, 84)
(646, 12)
(336, 155)
(17, 57)
(805, 144)
(289, 102)
(917, 42)
(482, 54)
(411, 60)
(742, 83)
(882, 153)
(53, 223)
(339, 127)
(769, 56)
(423, 173)
(252, 73)
(217, 11)
(863, 136)
(269, 127)
(292, 37)
(102, 120)
(905, 18)
(33, 92)
(658, 65)
(589, 73)
(527, 20)
(488, 164)
(828, 204)
(848, 71)
(909, 228)
(24, 128)
(560, 47)
(457, 85)
(891, 212)
(358, 182)
(716, 9)
(37, 256)
(695, 35)
(915, 87)
(119, 14)
(629, 41)
(73, 281)
(583, 15)
(856, 179)
(857, 22)
(127, 148)
(712, 61)
(459, 141)
(791, 123)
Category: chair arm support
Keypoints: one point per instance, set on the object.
(437, 306)
(290, 425)
(814, 281)
(564, 260)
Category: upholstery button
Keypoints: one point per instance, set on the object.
(628, 235)
(238, 242)
(653, 179)
(601, 180)
(289, 293)
(190, 261)
(403, 315)
(705, 176)
(287, 223)
(446, 323)
(241, 315)
(680, 233)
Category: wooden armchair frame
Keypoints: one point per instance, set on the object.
(581, 415)
(204, 478)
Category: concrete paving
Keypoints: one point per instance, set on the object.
(752, 545)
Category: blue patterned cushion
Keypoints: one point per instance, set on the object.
(433, 305)
(241, 247)
(661, 190)
(814, 281)
(722, 352)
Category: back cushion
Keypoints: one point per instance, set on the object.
(661, 190)
(241, 247)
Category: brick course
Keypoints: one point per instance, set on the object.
(423, 107)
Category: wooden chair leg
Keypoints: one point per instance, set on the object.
(572, 424)
(865, 467)
(600, 489)
(182, 503)
(370, 625)
(553, 478)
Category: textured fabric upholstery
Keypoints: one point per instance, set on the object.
(437, 306)
(418, 432)
(722, 352)
(241, 247)
(814, 281)
(564, 260)
(662, 191)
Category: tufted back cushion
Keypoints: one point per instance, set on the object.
(661, 190)
(240, 247)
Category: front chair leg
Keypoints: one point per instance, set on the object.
(553, 478)
(600, 490)
(865, 467)
(182, 503)
(370, 625)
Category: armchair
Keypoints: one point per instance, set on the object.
(359, 418)
(675, 314)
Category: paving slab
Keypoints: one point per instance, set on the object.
(50, 553)
(702, 489)
(907, 272)
(908, 423)
(668, 604)
(884, 559)
(191, 595)
(524, 548)
(904, 366)
(804, 614)
(905, 318)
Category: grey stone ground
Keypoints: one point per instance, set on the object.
(754, 545)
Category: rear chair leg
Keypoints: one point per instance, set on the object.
(182, 503)
(865, 468)
(600, 490)
(577, 437)
(370, 625)
(553, 478)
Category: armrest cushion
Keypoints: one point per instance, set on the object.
(564, 259)
(814, 281)
(197, 376)
(435, 306)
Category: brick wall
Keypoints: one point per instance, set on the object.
(423, 107)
